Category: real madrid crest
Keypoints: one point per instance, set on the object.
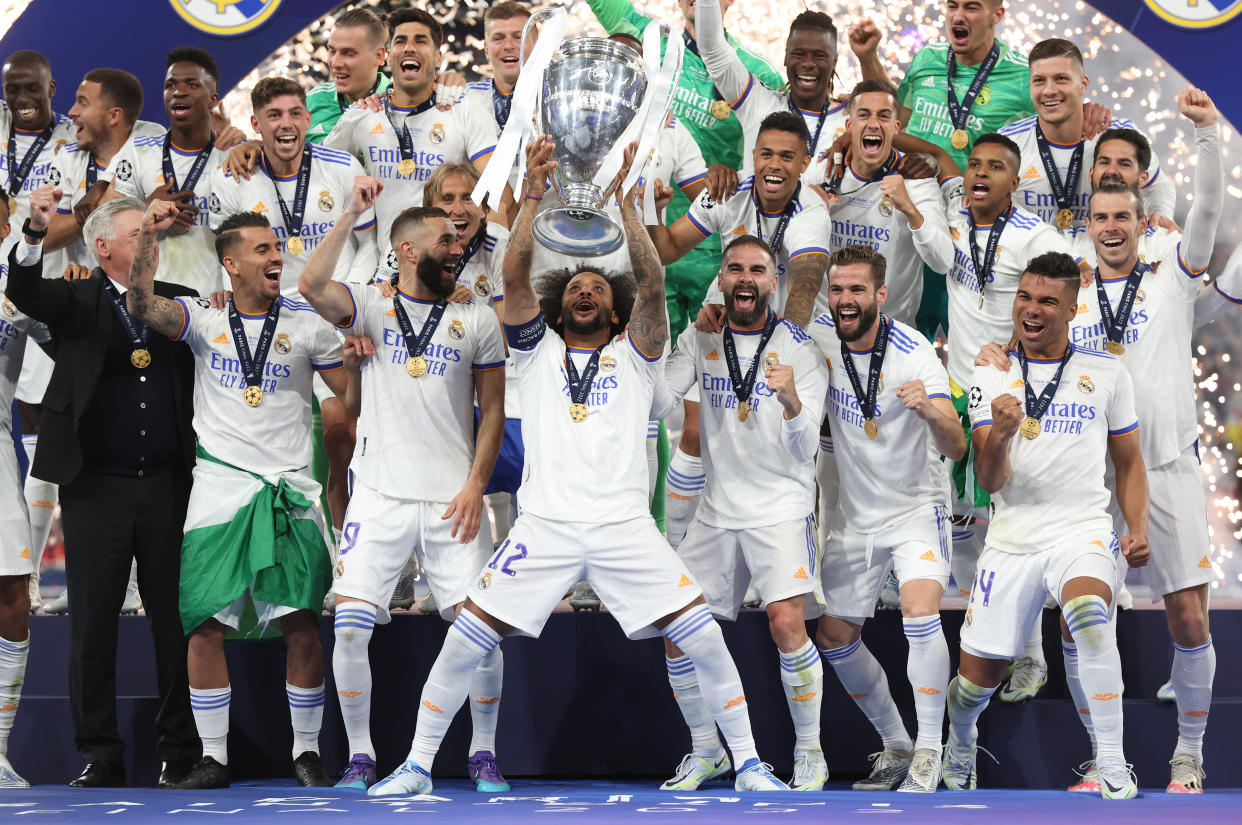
(8, 308)
(456, 330)
(886, 207)
(772, 359)
(481, 287)
(1085, 384)
(607, 363)
(985, 95)
(486, 581)
(437, 133)
(282, 344)
(1140, 296)
(326, 203)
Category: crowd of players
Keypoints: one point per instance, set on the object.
(195, 290)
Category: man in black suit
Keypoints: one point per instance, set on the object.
(116, 432)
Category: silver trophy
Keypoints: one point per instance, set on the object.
(592, 90)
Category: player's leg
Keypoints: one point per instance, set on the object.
(210, 695)
(14, 647)
(1194, 669)
(827, 483)
(1089, 777)
(685, 479)
(339, 428)
(41, 496)
(304, 686)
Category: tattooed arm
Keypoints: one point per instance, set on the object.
(521, 304)
(162, 315)
(806, 276)
(649, 320)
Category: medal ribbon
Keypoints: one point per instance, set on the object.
(345, 104)
(884, 171)
(19, 172)
(744, 385)
(501, 105)
(812, 140)
(137, 335)
(1064, 192)
(1115, 325)
(580, 384)
(196, 169)
(982, 270)
(252, 368)
(293, 220)
(92, 173)
(417, 346)
(1035, 406)
(959, 112)
(779, 235)
(398, 119)
(468, 253)
(866, 401)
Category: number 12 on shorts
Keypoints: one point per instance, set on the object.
(510, 556)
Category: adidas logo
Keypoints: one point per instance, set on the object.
(25, 554)
(221, 339)
(429, 706)
(1031, 173)
(487, 700)
(805, 697)
(929, 691)
(714, 355)
(392, 313)
(738, 230)
(378, 130)
(1105, 697)
(259, 207)
(732, 703)
(349, 694)
(1017, 384)
(1206, 563)
(800, 574)
(1196, 713)
(928, 556)
(1082, 309)
(686, 581)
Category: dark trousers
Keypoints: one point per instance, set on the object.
(109, 520)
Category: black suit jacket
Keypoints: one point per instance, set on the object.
(80, 318)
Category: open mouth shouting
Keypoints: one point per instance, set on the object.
(872, 145)
(287, 141)
(772, 182)
(179, 109)
(272, 273)
(959, 35)
(979, 191)
(745, 297)
(848, 318)
(411, 68)
(1033, 327)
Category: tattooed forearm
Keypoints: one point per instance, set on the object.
(806, 275)
(649, 320)
(521, 304)
(161, 314)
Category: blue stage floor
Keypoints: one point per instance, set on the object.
(597, 801)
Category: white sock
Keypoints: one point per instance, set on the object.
(12, 675)
(41, 497)
(965, 556)
(965, 703)
(684, 680)
(468, 641)
(1035, 641)
(653, 456)
(211, 716)
(306, 713)
(1194, 669)
(485, 687)
(927, 667)
(865, 682)
(802, 676)
(698, 635)
(1099, 670)
(351, 665)
(683, 484)
(829, 484)
(1069, 652)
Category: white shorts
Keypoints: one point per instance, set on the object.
(266, 612)
(1010, 589)
(856, 564)
(37, 368)
(379, 534)
(781, 559)
(1177, 528)
(629, 564)
(14, 517)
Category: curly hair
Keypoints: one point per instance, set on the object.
(551, 291)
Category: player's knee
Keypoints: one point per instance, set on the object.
(14, 608)
(1188, 625)
(786, 624)
(1087, 620)
(833, 633)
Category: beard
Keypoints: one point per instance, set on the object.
(431, 273)
(589, 327)
(867, 316)
(749, 318)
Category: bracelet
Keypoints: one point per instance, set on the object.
(533, 198)
(39, 235)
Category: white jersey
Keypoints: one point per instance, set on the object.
(970, 327)
(459, 135)
(900, 472)
(188, 259)
(480, 98)
(16, 328)
(1035, 192)
(676, 159)
(754, 478)
(331, 185)
(63, 132)
(806, 233)
(1157, 341)
(1056, 490)
(425, 422)
(594, 471)
(862, 215)
(483, 276)
(273, 437)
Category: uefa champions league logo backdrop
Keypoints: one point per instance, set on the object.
(226, 18)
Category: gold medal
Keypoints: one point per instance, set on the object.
(743, 411)
(295, 245)
(980, 299)
(578, 412)
(871, 429)
(406, 166)
(140, 358)
(1029, 427)
(12, 205)
(416, 366)
(1065, 219)
(959, 139)
(253, 395)
(1114, 347)
(721, 110)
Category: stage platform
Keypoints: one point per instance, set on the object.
(584, 703)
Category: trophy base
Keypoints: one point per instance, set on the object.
(579, 231)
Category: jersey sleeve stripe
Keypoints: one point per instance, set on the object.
(702, 230)
(1182, 263)
(364, 227)
(494, 366)
(1124, 430)
(498, 299)
(987, 422)
(1223, 294)
(335, 365)
(482, 153)
(185, 320)
(1151, 180)
(353, 311)
(750, 82)
(691, 180)
(945, 396)
(642, 354)
(810, 250)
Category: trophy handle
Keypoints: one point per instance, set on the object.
(536, 17)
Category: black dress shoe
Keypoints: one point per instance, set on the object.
(101, 775)
(175, 772)
(206, 774)
(310, 771)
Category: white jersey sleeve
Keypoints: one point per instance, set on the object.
(681, 372)
(931, 240)
(688, 166)
(726, 69)
(344, 135)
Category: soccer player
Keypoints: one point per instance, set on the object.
(432, 360)
(404, 142)
(1043, 430)
(587, 392)
(357, 50)
(762, 383)
(892, 419)
(16, 557)
(254, 361)
(503, 23)
(1054, 148)
(810, 61)
(177, 166)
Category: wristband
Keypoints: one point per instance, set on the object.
(533, 198)
(37, 235)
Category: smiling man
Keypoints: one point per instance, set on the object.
(357, 49)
